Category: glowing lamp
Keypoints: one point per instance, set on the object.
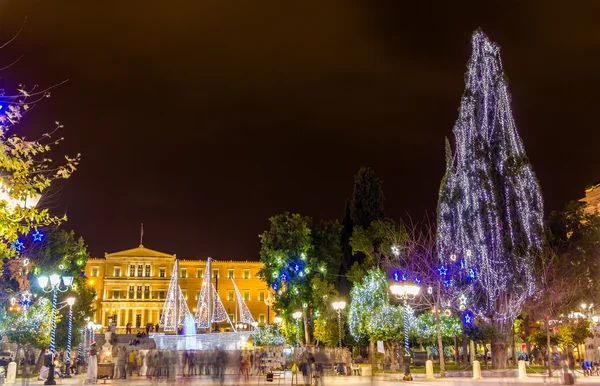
(91, 325)
(339, 305)
(70, 301)
(405, 290)
(297, 315)
(67, 280)
(43, 281)
(54, 280)
(277, 319)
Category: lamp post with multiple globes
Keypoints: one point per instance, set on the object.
(405, 291)
(339, 306)
(52, 284)
(70, 302)
(297, 315)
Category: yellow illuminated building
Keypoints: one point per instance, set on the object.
(131, 286)
(592, 200)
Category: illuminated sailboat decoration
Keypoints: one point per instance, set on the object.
(175, 313)
(244, 312)
(210, 309)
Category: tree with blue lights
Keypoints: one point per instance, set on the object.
(490, 205)
(301, 259)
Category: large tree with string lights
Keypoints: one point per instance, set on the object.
(490, 206)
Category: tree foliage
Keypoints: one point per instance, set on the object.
(366, 206)
(366, 298)
(301, 259)
(26, 171)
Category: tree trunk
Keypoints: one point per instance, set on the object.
(514, 345)
(526, 332)
(307, 339)
(465, 354)
(471, 351)
(392, 351)
(455, 349)
(498, 353)
(439, 335)
(373, 354)
(548, 349)
(39, 362)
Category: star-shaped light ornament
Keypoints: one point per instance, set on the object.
(18, 245)
(38, 236)
(468, 319)
(443, 270)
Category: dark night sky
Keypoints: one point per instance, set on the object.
(202, 119)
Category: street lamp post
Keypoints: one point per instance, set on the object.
(405, 291)
(339, 306)
(297, 315)
(55, 288)
(70, 302)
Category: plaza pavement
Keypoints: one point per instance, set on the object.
(328, 381)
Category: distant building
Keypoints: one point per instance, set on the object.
(131, 286)
(592, 200)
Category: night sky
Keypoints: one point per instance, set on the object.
(202, 119)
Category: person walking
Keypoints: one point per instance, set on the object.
(92, 370)
(131, 362)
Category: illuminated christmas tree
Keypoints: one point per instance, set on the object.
(490, 206)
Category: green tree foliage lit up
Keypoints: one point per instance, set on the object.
(27, 170)
(301, 258)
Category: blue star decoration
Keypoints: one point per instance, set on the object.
(38, 236)
(417, 280)
(443, 270)
(18, 245)
(396, 276)
(468, 318)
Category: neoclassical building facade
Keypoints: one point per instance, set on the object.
(131, 286)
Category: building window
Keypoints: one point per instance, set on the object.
(230, 295)
(116, 294)
(147, 292)
(232, 318)
(261, 318)
(215, 273)
(246, 295)
(183, 273)
(261, 296)
(138, 293)
(161, 294)
(95, 271)
(140, 270)
(148, 273)
(199, 273)
(131, 292)
(197, 295)
(184, 294)
(117, 272)
(132, 270)
(162, 272)
(246, 274)
(230, 274)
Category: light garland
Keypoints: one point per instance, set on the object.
(175, 310)
(490, 208)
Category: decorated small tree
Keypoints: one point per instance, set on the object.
(490, 206)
